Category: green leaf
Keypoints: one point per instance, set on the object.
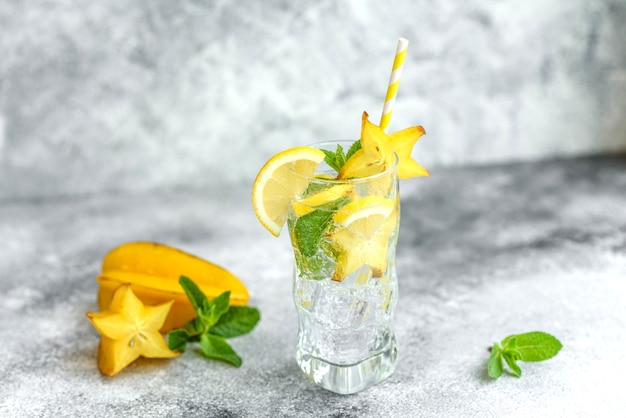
(314, 188)
(510, 358)
(194, 294)
(239, 320)
(309, 230)
(331, 159)
(353, 148)
(338, 158)
(494, 365)
(534, 346)
(195, 327)
(214, 309)
(214, 346)
(214, 316)
(531, 346)
(177, 339)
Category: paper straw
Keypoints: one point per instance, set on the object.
(394, 82)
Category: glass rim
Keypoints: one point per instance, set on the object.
(332, 146)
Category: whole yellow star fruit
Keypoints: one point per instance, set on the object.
(129, 330)
(153, 270)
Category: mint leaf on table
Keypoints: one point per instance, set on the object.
(214, 309)
(177, 340)
(531, 347)
(194, 294)
(239, 320)
(534, 346)
(511, 360)
(215, 321)
(494, 365)
(214, 346)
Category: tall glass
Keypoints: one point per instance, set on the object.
(344, 235)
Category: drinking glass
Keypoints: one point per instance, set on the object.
(345, 288)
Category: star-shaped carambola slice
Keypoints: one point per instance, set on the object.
(129, 330)
(372, 157)
(365, 227)
(377, 152)
(402, 143)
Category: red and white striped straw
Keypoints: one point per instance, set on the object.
(394, 82)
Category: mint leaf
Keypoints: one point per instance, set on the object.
(494, 365)
(214, 346)
(331, 160)
(239, 320)
(215, 321)
(195, 327)
(535, 346)
(340, 157)
(531, 346)
(314, 188)
(214, 309)
(510, 359)
(336, 159)
(353, 148)
(194, 294)
(177, 340)
(309, 229)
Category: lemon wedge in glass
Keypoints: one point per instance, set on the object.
(282, 178)
(365, 227)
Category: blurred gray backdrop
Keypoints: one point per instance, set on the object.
(124, 96)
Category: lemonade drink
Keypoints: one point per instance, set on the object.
(344, 235)
(342, 210)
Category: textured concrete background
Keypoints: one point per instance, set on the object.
(137, 95)
(483, 253)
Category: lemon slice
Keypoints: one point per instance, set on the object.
(366, 211)
(365, 227)
(282, 178)
(331, 194)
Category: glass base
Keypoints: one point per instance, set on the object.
(352, 378)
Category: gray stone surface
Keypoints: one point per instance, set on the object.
(151, 91)
(483, 253)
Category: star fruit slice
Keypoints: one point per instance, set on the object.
(129, 330)
(373, 156)
(377, 152)
(365, 227)
(402, 143)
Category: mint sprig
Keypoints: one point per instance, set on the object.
(310, 228)
(532, 346)
(336, 159)
(215, 321)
